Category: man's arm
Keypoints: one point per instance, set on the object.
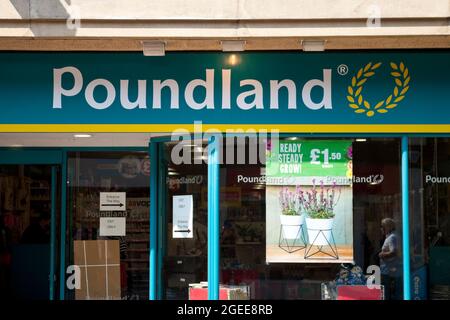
(388, 254)
(392, 250)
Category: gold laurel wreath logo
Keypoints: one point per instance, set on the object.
(355, 96)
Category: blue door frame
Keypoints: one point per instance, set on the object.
(63, 224)
(153, 276)
(213, 218)
(405, 219)
(157, 217)
(39, 156)
(53, 199)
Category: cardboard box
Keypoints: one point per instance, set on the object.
(99, 262)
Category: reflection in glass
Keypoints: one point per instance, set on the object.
(113, 265)
(185, 256)
(430, 218)
(25, 212)
(376, 202)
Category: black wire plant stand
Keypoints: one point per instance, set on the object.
(294, 246)
(331, 245)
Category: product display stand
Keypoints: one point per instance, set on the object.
(332, 245)
(294, 246)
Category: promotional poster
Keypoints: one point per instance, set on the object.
(309, 201)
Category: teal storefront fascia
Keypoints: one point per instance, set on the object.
(394, 94)
(336, 92)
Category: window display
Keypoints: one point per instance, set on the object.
(26, 226)
(309, 201)
(367, 198)
(430, 216)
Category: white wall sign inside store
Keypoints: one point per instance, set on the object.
(113, 201)
(183, 214)
(112, 227)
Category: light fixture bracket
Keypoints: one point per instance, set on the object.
(313, 45)
(154, 48)
(233, 45)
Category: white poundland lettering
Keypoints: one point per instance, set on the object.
(249, 97)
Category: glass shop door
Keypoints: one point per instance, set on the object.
(183, 220)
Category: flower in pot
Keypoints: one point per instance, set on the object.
(319, 204)
(291, 217)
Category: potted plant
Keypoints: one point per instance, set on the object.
(291, 217)
(319, 204)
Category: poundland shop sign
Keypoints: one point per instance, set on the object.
(295, 92)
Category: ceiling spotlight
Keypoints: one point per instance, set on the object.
(233, 45)
(313, 45)
(82, 135)
(361, 140)
(233, 59)
(153, 48)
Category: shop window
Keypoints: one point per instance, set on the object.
(267, 257)
(25, 231)
(430, 218)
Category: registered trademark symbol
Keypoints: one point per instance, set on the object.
(342, 69)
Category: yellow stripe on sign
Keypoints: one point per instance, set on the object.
(287, 128)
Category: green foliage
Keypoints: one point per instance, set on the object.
(321, 214)
(290, 212)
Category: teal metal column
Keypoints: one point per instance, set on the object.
(52, 234)
(153, 149)
(162, 219)
(213, 218)
(62, 259)
(405, 220)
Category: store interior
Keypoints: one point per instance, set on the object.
(25, 200)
